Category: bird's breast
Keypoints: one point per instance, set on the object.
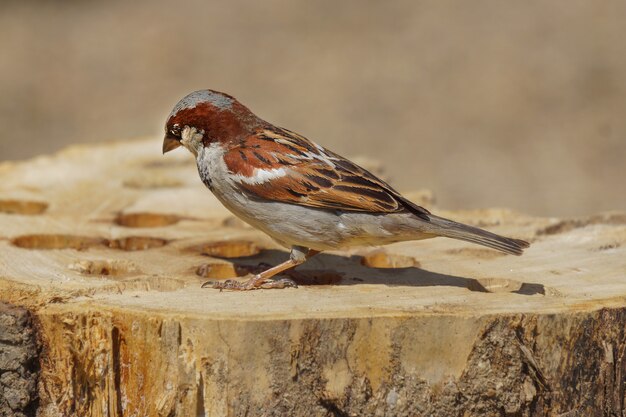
(211, 166)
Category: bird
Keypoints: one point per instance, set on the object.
(305, 197)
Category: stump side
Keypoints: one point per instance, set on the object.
(19, 362)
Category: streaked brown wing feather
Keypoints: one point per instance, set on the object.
(316, 177)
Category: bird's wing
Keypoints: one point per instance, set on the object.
(280, 165)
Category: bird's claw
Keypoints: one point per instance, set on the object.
(279, 284)
(229, 284)
(255, 283)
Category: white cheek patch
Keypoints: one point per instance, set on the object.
(261, 176)
(191, 138)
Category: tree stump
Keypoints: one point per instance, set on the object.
(107, 247)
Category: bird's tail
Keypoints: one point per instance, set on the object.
(452, 229)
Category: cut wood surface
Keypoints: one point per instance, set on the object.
(108, 245)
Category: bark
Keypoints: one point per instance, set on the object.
(19, 363)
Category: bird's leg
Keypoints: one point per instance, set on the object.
(264, 280)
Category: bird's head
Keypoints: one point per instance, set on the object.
(207, 116)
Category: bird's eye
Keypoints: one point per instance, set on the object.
(175, 130)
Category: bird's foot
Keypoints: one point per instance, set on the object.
(255, 283)
(279, 284)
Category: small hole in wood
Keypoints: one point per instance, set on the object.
(135, 243)
(56, 242)
(146, 220)
(104, 267)
(22, 207)
(382, 259)
(231, 249)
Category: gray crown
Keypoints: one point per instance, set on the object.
(217, 99)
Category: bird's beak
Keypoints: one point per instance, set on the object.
(170, 143)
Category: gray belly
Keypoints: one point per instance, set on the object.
(291, 224)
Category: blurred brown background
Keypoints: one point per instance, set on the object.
(487, 103)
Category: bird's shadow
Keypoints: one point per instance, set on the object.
(331, 269)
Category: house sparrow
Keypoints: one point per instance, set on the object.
(304, 196)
